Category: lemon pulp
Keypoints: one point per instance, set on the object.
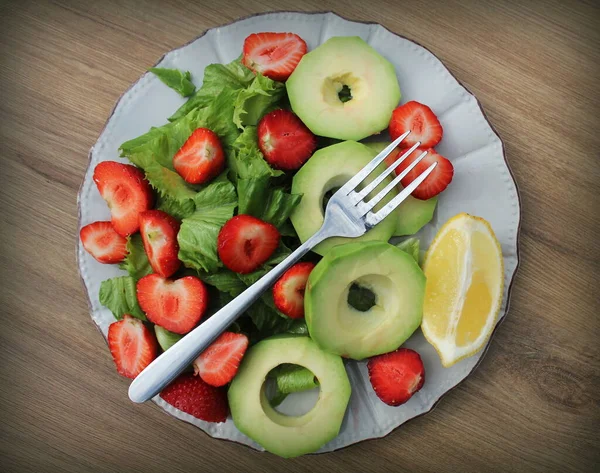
(463, 293)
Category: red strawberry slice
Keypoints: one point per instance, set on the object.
(424, 126)
(159, 234)
(127, 193)
(288, 291)
(396, 376)
(132, 345)
(192, 395)
(246, 242)
(102, 242)
(174, 305)
(201, 157)
(219, 363)
(274, 55)
(285, 141)
(433, 184)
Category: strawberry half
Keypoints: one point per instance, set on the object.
(192, 395)
(274, 55)
(102, 242)
(284, 140)
(288, 291)
(433, 184)
(127, 193)
(396, 376)
(246, 242)
(201, 157)
(219, 363)
(174, 305)
(132, 345)
(424, 126)
(159, 234)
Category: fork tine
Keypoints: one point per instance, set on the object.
(373, 219)
(366, 206)
(364, 172)
(369, 188)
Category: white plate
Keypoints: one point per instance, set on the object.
(483, 186)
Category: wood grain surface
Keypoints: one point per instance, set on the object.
(532, 405)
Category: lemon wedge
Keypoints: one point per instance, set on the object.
(463, 293)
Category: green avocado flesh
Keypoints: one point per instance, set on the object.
(289, 436)
(412, 214)
(391, 274)
(344, 89)
(328, 169)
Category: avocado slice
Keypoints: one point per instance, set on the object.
(344, 89)
(412, 214)
(289, 436)
(397, 283)
(328, 169)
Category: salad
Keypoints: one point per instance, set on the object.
(238, 178)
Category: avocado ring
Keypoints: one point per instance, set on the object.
(289, 436)
(391, 274)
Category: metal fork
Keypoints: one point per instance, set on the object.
(348, 214)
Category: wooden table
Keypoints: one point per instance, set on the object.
(533, 405)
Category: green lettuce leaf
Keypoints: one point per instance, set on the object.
(119, 295)
(169, 184)
(253, 102)
(179, 81)
(289, 379)
(165, 338)
(260, 199)
(178, 209)
(197, 236)
(225, 281)
(136, 262)
(233, 76)
(256, 193)
(361, 298)
(279, 207)
(299, 327)
(160, 144)
(411, 246)
(267, 320)
(245, 158)
(154, 151)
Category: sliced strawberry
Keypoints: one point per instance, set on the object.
(174, 305)
(201, 157)
(288, 291)
(159, 234)
(284, 140)
(396, 376)
(132, 345)
(274, 55)
(246, 242)
(424, 126)
(127, 193)
(435, 183)
(219, 363)
(102, 242)
(192, 395)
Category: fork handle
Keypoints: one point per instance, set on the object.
(167, 366)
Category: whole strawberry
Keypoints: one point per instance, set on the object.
(192, 395)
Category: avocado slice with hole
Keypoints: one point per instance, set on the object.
(394, 278)
(289, 436)
(412, 214)
(328, 169)
(344, 89)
